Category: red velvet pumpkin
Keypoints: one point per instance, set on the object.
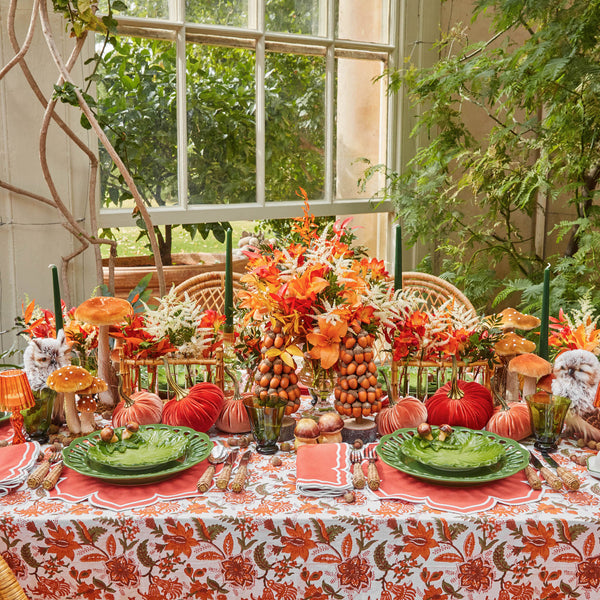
(511, 421)
(462, 403)
(234, 417)
(197, 407)
(143, 407)
(405, 412)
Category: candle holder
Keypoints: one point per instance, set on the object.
(15, 395)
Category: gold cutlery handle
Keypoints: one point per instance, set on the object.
(205, 480)
(553, 481)
(568, 478)
(36, 478)
(532, 478)
(53, 476)
(372, 476)
(358, 477)
(240, 479)
(223, 478)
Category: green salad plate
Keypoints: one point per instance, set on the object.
(466, 457)
(155, 453)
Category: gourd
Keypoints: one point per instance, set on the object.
(233, 417)
(405, 412)
(462, 403)
(141, 407)
(197, 407)
(510, 421)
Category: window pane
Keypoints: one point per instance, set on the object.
(295, 126)
(364, 20)
(295, 16)
(360, 124)
(144, 9)
(233, 13)
(136, 102)
(221, 125)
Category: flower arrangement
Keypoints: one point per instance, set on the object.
(420, 333)
(304, 297)
(575, 331)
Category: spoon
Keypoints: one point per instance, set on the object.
(217, 455)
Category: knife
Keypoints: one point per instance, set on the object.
(242, 473)
(225, 474)
(569, 479)
(553, 481)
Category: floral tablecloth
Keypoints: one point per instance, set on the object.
(269, 542)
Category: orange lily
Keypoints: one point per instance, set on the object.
(307, 285)
(325, 341)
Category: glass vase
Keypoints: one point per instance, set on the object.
(320, 383)
(38, 418)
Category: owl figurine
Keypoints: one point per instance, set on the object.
(576, 376)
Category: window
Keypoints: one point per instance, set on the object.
(222, 109)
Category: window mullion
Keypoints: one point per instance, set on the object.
(330, 104)
(260, 105)
(181, 110)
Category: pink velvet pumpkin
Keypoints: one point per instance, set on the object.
(143, 407)
(405, 412)
(511, 421)
(462, 403)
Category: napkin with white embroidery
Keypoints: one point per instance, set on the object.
(15, 463)
(323, 470)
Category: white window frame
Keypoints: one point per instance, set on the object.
(176, 30)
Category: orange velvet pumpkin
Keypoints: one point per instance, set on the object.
(511, 421)
(143, 407)
(405, 412)
(462, 403)
(234, 417)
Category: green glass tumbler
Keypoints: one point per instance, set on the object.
(547, 413)
(265, 422)
(38, 418)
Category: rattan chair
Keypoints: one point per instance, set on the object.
(434, 290)
(10, 589)
(208, 289)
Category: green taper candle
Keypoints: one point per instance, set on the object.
(228, 284)
(543, 349)
(58, 317)
(398, 263)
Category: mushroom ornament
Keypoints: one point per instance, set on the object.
(86, 404)
(104, 311)
(507, 348)
(69, 380)
(532, 368)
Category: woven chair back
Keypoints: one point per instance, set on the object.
(208, 289)
(434, 290)
(10, 589)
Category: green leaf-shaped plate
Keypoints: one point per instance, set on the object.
(75, 456)
(148, 449)
(463, 450)
(514, 460)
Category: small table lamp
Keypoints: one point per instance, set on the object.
(15, 396)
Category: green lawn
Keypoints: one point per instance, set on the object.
(126, 238)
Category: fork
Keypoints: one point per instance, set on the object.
(372, 474)
(358, 477)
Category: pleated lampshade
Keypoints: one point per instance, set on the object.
(15, 391)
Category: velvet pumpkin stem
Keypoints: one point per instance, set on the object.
(128, 401)
(180, 393)
(455, 392)
(236, 385)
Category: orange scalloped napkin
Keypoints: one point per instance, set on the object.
(323, 469)
(396, 485)
(74, 487)
(15, 464)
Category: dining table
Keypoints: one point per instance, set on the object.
(294, 533)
